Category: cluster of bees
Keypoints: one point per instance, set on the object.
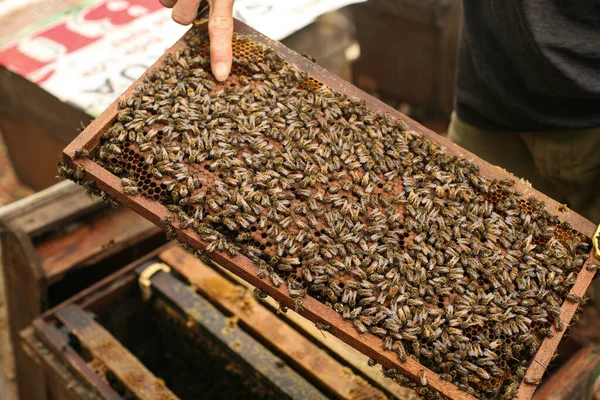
(347, 205)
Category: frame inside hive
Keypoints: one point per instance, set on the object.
(150, 208)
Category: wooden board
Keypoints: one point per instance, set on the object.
(286, 380)
(296, 348)
(103, 235)
(111, 353)
(314, 310)
(60, 381)
(59, 345)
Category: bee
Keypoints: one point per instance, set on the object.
(131, 190)
(576, 299)
(230, 224)
(282, 310)
(422, 377)
(298, 305)
(360, 327)
(156, 173)
(483, 373)
(260, 294)
(297, 293)
(78, 173)
(532, 381)
(275, 279)
(114, 149)
(81, 153)
(398, 347)
(592, 267)
(167, 219)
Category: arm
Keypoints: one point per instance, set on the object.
(220, 29)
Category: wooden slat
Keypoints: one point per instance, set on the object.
(314, 310)
(298, 350)
(550, 344)
(61, 383)
(286, 380)
(59, 345)
(105, 234)
(44, 210)
(104, 347)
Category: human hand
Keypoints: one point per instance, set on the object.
(220, 30)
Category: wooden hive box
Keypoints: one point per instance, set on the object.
(565, 225)
(68, 375)
(186, 333)
(54, 244)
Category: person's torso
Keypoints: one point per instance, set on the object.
(530, 64)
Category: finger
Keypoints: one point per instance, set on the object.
(220, 30)
(185, 11)
(168, 3)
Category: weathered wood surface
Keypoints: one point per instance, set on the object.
(103, 235)
(285, 381)
(58, 380)
(59, 346)
(104, 347)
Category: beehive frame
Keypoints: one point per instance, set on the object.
(313, 309)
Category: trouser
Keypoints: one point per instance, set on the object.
(565, 165)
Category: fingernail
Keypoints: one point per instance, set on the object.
(221, 71)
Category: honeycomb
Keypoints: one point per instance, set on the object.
(347, 205)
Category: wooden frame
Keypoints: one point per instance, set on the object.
(60, 381)
(313, 309)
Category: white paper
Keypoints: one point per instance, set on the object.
(278, 19)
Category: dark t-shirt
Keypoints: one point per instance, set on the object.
(529, 65)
